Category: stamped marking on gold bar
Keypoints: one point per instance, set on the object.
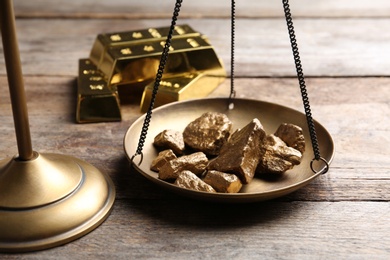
(180, 30)
(96, 78)
(115, 37)
(169, 84)
(148, 48)
(154, 33)
(126, 51)
(193, 42)
(96, 87)
(137, 35)
(162, 43)
(88, 72)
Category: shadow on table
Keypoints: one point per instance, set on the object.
(152, 203)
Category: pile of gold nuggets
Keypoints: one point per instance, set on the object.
(207, 156)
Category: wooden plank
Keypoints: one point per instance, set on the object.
(200, 8)
(352, 47)
(360, 128)
(172, 229)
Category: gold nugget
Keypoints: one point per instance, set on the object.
(223, 182)
(195, 163)
(189, 180)
(241, 154)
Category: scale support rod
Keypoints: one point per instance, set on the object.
(15, 80)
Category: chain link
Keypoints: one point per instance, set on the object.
(302, 85)
(233, 28)
(160, 71)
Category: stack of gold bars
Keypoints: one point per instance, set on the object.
(123, 66)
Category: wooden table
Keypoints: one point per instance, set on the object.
(345, 49)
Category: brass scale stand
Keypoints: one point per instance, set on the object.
(45, 199)
(51, 199)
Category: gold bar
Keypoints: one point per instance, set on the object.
(189, 86)
(104, 41)
(128, 63)
(96, 100)
(135, 63)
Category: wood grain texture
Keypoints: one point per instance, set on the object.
(344, 45)
(199, 9)
(152, 229)
(327, 47)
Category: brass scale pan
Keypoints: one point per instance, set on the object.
(178, 114)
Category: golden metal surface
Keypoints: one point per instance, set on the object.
(20, 181)
(50, 200)
(128, 62)
(96, 101)
(138, 37)
(188, 86)
(177, 115)
(45, 199)
(124, 65)
(15, 79)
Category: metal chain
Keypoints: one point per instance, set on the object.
(302, 85)
(233, 23)
(163, 61)
(298, 65)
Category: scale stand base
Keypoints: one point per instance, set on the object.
(50, 200)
